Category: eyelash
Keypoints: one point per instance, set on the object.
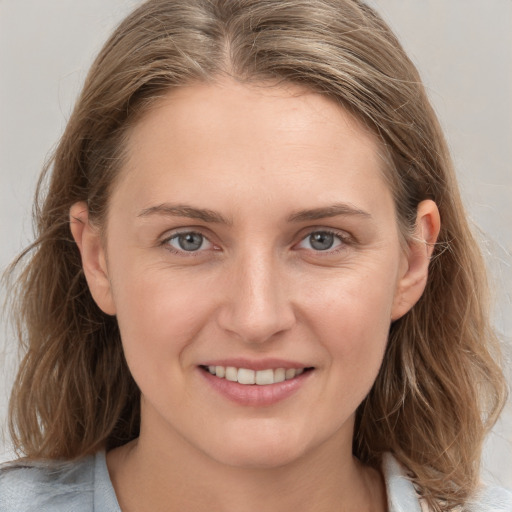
(182, 252)
(343, 237)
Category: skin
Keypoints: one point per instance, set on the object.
(257, 288)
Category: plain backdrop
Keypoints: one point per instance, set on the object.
(463, 49)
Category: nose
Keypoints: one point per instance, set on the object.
(256, 306)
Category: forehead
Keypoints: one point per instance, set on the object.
(258, 139)
(232, 108)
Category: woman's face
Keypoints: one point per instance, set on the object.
(251, 234)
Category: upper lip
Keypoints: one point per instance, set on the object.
(256, 364)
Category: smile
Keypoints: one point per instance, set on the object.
(265, 384)
(255, 377)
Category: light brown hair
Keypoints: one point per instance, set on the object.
(440, 387)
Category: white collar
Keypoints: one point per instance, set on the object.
(402, 496)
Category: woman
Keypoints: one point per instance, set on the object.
(253, 284)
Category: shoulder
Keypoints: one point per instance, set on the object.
(491, 499)
(47, 486)
(402, 495)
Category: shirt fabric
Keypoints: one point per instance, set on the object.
(85, 486)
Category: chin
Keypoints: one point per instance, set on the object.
(259, 459)
(261, 452)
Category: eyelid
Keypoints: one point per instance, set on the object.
(169, 235)
(344, 237)
(183, 230)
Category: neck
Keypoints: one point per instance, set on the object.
(160, 473)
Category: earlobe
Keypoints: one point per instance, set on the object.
(88, 239)
(413, 279)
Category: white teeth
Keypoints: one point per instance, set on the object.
(264, 377)
(246, 376)
(289, 373)
(231, 373)
(279, 375)
(259, 377)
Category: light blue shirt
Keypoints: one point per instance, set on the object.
(85, 486)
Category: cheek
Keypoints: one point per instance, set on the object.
(158, 315)
(356, 341)
(351, 319)
(352, 300)
(355, 331)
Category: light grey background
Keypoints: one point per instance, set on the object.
(463, 49)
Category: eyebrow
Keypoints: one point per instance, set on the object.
(328, 211)
(191, 212)
(211, 216)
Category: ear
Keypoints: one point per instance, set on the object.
(413, 277)
(94, 262)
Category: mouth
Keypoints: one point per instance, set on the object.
(249, 377)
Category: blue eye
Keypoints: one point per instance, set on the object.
(189, 241)
(321, 241)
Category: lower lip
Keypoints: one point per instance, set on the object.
(255, 395)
